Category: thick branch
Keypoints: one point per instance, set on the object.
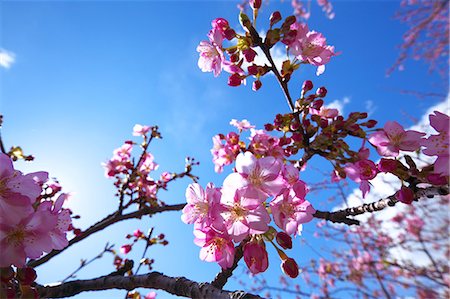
(175, 285)
(341, 216)
(102, 224)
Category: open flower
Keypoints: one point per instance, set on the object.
(438, 145)
(394, 138)
(290, 209)
(243, 216)
(216, 246)
(258, 178)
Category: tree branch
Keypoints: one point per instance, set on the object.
(341, 216)
(222, 277)
(179, 286)
(105, 222)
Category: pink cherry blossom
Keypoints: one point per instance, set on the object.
(140, 130)
(211, 56)
(150, 295)
(241, 125)
(361, 172)
(438, 145)
(216, 246)
(25, 237)
(63, 221)
(203, 206)
(125, 249)
(310, 47)
(224, 153)
(290, 209)
(13, 181)
(255, 257)
(394, 138)
(243, 216)
(265, 145)
(256, 177)
(147, 165)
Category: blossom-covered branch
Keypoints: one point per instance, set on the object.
(102, 224)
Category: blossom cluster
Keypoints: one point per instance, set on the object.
(303, 46)
(262, 188)
(133, 177)
(31, 223)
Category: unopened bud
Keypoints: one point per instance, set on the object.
(256, 85)
(307, 86)
(289, 267)
(26, 275)
(284, 240)
(255, 4)
(275, 17)
(234, 80)
(321, 92)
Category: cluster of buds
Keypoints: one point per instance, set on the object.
(303, 46)
(18, 283)
(139, 235)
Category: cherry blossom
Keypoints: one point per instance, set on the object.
(394, 138)
(256, 177)
(438, 145)
(310, 47)
(25, 237)
(202, 205)
(290, 209)
(243, 216)
(216, 246)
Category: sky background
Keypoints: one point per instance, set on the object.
(85, 72)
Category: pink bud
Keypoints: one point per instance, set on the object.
(275, 17)
(405, 195)
(256, 85)
(290, 267)
(234, 80)
(125, 248)
(255, 4)
(284, 240)
(387, 165)
(255, 256)
(26, 275)
(437, 179)
(229, 33)
(321, 92)
(307, 86)
(249, 54)
(138, 233)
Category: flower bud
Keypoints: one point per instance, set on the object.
(405, 195)
(234, 80)
(290, 267)
(255, 257)
(256, 85)
(26, 276)
(307, 86)
(125, 248)
(275, 17)
(255, 4)
(321, 92)
(284, 240)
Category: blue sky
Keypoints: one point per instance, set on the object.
(86, 71)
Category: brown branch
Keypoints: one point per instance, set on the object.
(102, 224)
(341, 216)
(179, 286)
(222, 277)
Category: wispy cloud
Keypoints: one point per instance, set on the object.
(339, 104)
(7, 58)
(370, 107)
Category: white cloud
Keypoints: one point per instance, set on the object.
(7, 58)
(339, 104)
(370, 107)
